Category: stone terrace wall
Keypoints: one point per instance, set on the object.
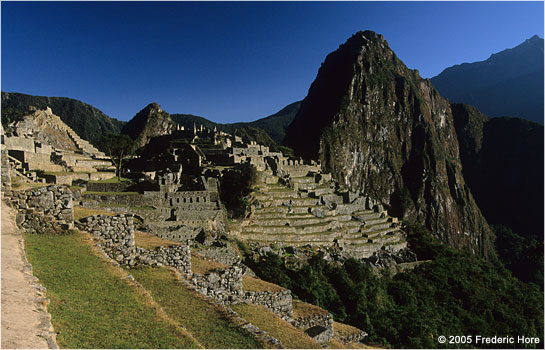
(116, 234)
(5, 172)
(123, 199)
(44, 210)
(107, 187)
(356, 337)
(225, 287)
(314, 320)
(222, 285)
(278, 302)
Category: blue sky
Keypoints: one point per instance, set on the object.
(231, 61)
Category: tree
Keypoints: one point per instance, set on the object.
(117, 147)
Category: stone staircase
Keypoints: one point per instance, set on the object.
(81, 144)
(309, 211)
(18, 169)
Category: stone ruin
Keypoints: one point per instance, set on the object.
(43, 210)
(42, 142)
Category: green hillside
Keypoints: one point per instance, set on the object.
(87, 121)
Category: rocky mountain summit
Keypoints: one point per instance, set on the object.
(381, 129)
(149, 122)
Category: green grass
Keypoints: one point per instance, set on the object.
(206, 322)
(91, 305)
(291, 337)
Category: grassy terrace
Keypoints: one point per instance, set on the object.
(93, 305)
(302, 309)
(206, 322)
(149, 241)
(257, 285)
(291, 337)
(201, 265)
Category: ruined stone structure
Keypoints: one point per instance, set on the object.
(5, 170)
(116, 234)
(116, 237)
(42, 142)
(43, 210)
(308, 210)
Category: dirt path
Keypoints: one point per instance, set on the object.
(25, 322)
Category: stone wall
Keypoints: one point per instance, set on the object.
(20, 143)
(5, 172)
(314, 320)
(106, 187)
(222, 285)
(353, 338)
(116, 236)
(225, 287)
(44, 210)
(123, 199)
(56, 201)
(278, 302)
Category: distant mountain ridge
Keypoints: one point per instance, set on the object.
(153, 121)
(508, 83)
(88, 122)
(274, 125)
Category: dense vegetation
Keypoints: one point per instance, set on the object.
(87, 121)
(117, 147)
(235, 186)
(502, 161)
(92, 304)
(249, 133)
(520, 254)
(455, 294)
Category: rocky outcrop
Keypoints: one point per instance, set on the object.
(150, 122)
(381, 129)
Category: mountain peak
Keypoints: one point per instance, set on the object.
(154, 106)
(380, 129)
(151, 121)
(509, 82)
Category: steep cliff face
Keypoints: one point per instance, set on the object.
(382, 130)
(502, 162)
(149, 122)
